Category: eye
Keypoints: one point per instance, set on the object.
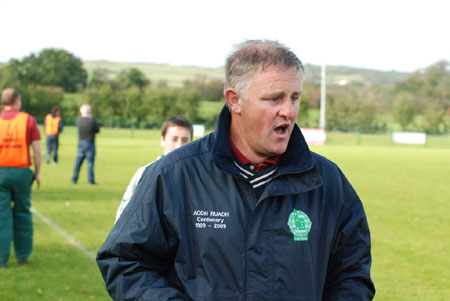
(274, 99)
(294, 98)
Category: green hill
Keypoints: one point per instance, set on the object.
(175, 75)
(343, 74)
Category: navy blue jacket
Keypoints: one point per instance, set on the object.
(194, 230)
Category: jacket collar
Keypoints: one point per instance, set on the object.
(296, 159)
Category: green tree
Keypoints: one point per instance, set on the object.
(311, 92)
(51, 67)
(58, 67)
(36, 99)
(349, 108)
(214, 90)
(132, 77)
(436, 81)
(104, 101)
(207, 89)
(433, 120)
(403, 111)
(188, 102)
(39, 100)
(133, 104)
(365, 116)
(99, 77)
(303, 114)
(429, 85)
(163, 103)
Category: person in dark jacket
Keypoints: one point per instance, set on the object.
(247, 212)
(87, 129)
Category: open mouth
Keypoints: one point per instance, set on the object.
(282, 129)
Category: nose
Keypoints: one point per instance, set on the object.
(179, 143)
(287, 109)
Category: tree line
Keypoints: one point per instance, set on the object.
(46, 78)
(50, 78)
(419, 102)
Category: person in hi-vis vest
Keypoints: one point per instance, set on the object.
(53, 126)
(18, 131)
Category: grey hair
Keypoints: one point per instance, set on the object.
(253, 55)
(85, 110)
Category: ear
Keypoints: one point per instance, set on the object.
(17, 103)
(163, 142)
(233, 100)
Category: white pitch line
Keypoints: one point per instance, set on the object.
(66, 235)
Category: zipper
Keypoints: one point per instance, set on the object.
(251, 195)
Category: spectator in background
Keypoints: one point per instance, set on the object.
(53, 126)
(247, 212)
(18, 130)
(87, 129)
(176, 131)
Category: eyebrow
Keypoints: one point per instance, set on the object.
(281, 93)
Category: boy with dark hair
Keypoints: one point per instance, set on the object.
(176, 131)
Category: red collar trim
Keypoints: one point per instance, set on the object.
(9, 114)
(258, 166)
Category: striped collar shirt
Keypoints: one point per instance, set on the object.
(257, 174)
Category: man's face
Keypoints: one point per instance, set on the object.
(269, 113)
(176, 136)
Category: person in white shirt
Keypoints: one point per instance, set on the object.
(176, 131)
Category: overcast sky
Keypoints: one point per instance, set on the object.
(381, 34)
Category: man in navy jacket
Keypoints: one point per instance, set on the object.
(247, 212)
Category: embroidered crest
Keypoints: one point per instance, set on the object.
(299, 224)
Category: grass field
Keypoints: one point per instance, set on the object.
(404, 189)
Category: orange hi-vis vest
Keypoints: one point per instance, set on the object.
(52, 125)
(14, 151)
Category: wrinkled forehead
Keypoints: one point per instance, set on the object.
(277, 76)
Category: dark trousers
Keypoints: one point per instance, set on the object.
(16, 224)
(85, 150)
(52, 147)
